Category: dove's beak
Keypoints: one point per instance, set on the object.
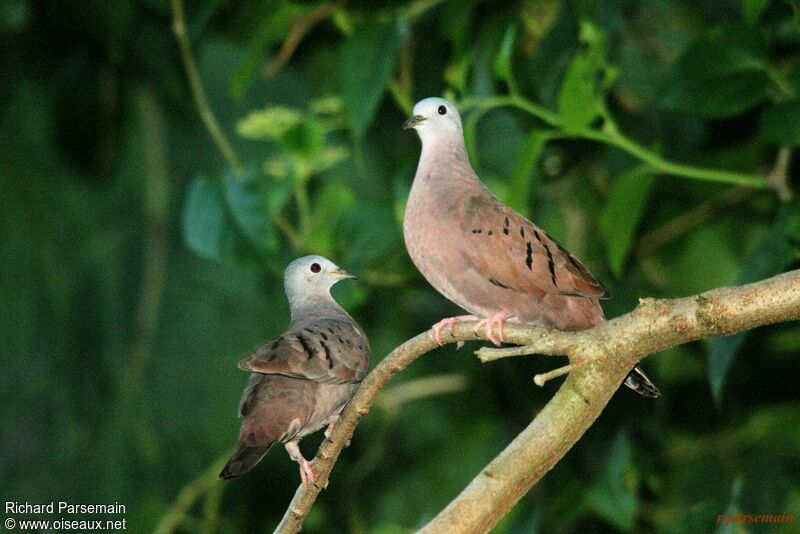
(413, 121)
(341, 274)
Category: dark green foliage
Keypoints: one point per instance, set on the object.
(138, 267)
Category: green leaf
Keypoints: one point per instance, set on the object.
(503, 64)
(730, 527)
(332, 201)
(368, 231)
(622, 214)
(271, 123)
(613, 494)
(305, 139)
(577, 102)
(719, 75)
(780, 123)
(246, 200)
(207, 228)
(367, 62)
(773, 255)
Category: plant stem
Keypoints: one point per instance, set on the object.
(303, 206)
(660, 164)
(206, 114)
(613, 137)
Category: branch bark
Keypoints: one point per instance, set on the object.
(602, 356)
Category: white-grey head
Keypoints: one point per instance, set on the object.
(310, 278)
(436, 119)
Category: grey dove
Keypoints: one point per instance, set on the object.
(484, 256)
(300, 381)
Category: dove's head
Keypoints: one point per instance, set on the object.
(435, 119)
(312, 276)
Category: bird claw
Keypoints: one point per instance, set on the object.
(449, 323)
(307, 473)
(329, 430)
(489, 323)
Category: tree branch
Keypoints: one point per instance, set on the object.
(602, 357)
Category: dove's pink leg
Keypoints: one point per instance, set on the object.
(307, 473)
(498, 319)
(449, 323)
(331, 421)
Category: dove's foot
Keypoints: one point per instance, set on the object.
(307, 474)
(498, 319)
(449, 323)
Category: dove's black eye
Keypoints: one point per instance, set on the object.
(315, 268)
(442, 110)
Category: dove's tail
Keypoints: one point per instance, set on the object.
(243, 459)
(641, 384)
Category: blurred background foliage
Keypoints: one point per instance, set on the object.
(655, 139)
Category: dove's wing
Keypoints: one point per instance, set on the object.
(330, 351)
(511, 251)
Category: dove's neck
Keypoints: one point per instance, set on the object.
(443, 163)
(320, 305)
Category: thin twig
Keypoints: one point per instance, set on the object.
(180, 510)
(541, 378)
(489, 354)
(612, 137)
(303, 207)
(392, 399)
(288, 230)
(295, 36)
(179, 28)
(154, 269)
(778, 177)
(688, 221)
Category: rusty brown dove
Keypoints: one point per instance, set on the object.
(484, 256)
(300, 381)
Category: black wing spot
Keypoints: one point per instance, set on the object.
(529, 256)
(306, 347)
(327, 354)
(505, 231)
(570, 257)
(522, 232)
(324, 336)
(275, 343)
(490, 232)
(477, 231)
(498, 284)
(538, 237)
(506, 221)
(574, 262)
(550, 264)
(340, 340)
